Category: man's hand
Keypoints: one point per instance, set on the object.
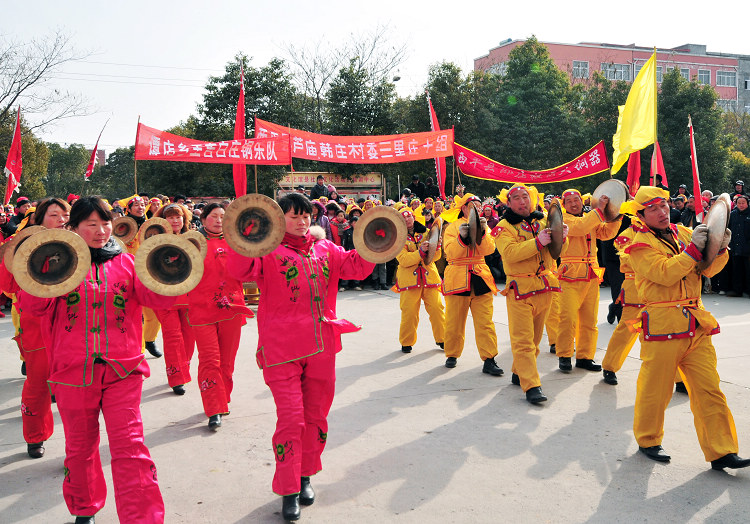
(463, 231)
(727, 238)
(424, 247)
(700, 237)
(603, 201)
(545, 237)
(565, 231)
(482, 227)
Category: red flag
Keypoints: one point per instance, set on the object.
(92, 160)
(657, 166)
(696, 175)
(439, 162)
(14, 164)
(634, 172)
(239, 171)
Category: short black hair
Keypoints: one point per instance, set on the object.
(179, 197)
(210, 207)
(86, 205)
(296, 201)
(320, 177)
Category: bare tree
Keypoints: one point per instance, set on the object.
(317, 65)
(26, 70)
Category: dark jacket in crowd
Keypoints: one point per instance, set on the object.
(739, 223)
(688, 218)
(432, 191)
(417, 190)
(318, 191)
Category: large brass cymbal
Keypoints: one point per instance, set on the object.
(717, 221)
(380, 234)
(254, 225)
(168, 265)
(124, 228)
(616, 191)
(51, 263)
(153, 226)
(555, 224)
(198, 240)
(9, 248)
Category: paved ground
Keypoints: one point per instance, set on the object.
(411, 441)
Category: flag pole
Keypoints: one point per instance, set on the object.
(135, 162)
(255, 168)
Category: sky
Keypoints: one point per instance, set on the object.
(152, 59)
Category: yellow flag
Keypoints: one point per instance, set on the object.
(636, 125)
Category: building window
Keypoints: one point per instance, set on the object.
(727, 105)
(685, 73)
(499, 69)
(747, 83)
(616, 71)
(704, 76)
(726, 78)
(580, 69)
(658, 74)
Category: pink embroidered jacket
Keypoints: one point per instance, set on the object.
(297, 309)
(101, 318)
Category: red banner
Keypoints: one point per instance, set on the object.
(152, 144)
(14, 162)
(239, 171)
(439, 162)
(475, 165)
(377, 149)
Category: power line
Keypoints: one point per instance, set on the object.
(126, 82)
(146, 65)
(136, 77)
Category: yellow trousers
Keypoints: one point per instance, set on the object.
(526, 325)
(621, 342)
(410, 301)
(151, 325)
(696, 360)
(553, 319)
(579, 310)
(456, 311)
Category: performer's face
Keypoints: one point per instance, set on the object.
(573, 204)
(214, 220)
(137, 208)
(297, 223)
(94, 230)
(520, 203)
(176, 221)
(656, 216)
(55, 217)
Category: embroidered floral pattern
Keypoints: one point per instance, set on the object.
(283, 449)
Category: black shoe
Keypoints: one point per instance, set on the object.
(23, 368)
(490, 367)
(610, 378)
(535, 395)
(441, 345)
(214, 422)
(290, 507)
(679, 387)
(53, 399)
(151, 348)
(731, 461)
(450, 362)
(179, 390)
(515, 380)
(85, 520)
(406, 349)
(35, 451)
(565, 365)
(611, 317)
(657, 453)
(553, 349)
(587, 363)
(306, 492)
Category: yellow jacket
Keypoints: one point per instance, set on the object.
(412, 272)
(579, 262)
(529, 267)
(628, 292)
(462, 261)
(669, 285)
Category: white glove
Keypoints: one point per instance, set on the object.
(727, 238)
(544, 237)
(700, 237)
(463, 231)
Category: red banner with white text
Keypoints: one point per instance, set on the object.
(475, 165)
(376, 149)
(152, 144)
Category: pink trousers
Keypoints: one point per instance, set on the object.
(217, 349)
(137, 494)
(36, 406)
(179, 344)
(303, 391)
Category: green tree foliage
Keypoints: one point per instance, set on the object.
(65, 170)
(114, 180)
(678, 99)
(35, 158)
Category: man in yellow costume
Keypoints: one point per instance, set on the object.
(624, 336)
(676, 333)
(580, 276)
(522, 239)
(468, 285)
(416, 282)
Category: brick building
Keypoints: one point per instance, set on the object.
(728, 73)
